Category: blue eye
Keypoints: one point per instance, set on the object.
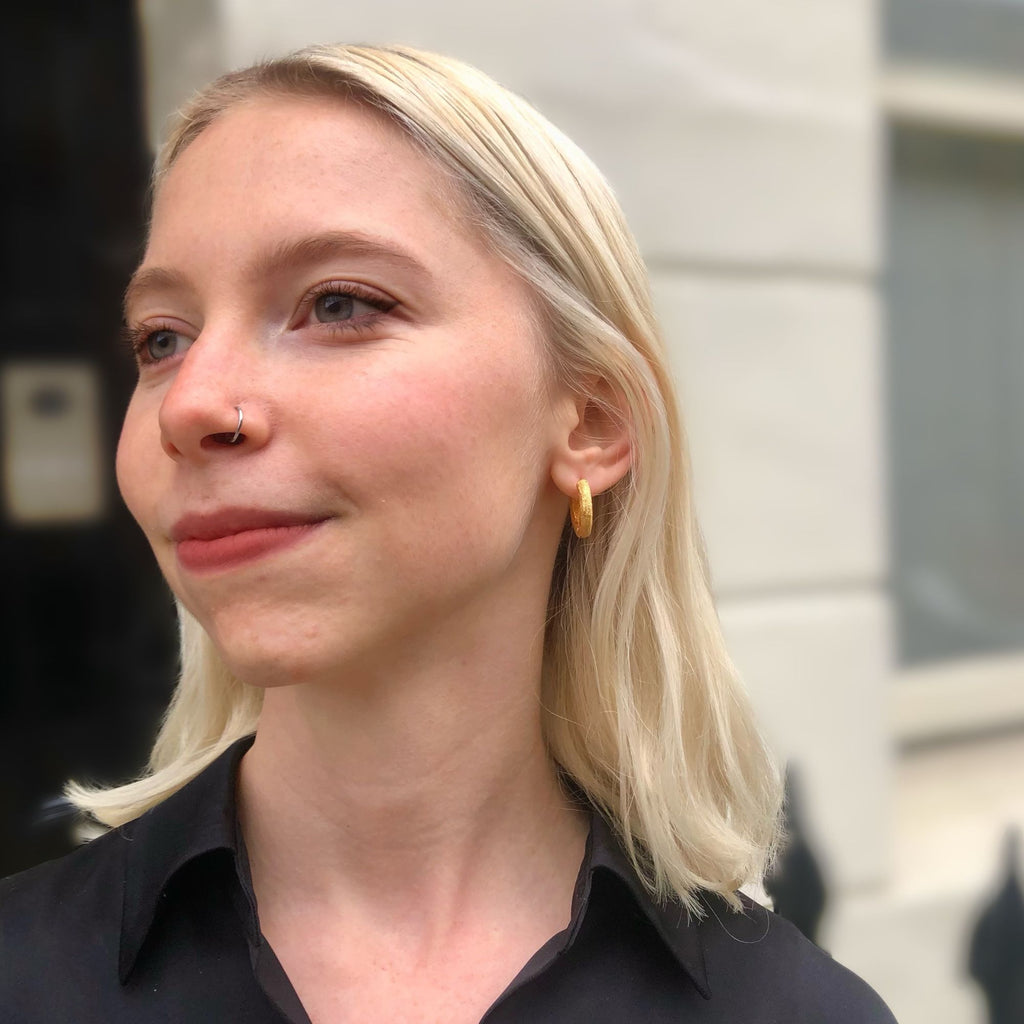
(349, 305)
(160, 345)
(333, 306)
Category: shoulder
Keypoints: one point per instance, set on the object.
(90, 875)
(56, 919)
(757, 954)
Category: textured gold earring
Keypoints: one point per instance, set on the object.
(581, 510)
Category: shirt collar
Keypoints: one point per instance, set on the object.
(198, 819)
(670, 919)
(201, 817)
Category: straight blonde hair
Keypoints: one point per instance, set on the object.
(641, 704)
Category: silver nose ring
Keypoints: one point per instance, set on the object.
(236, 436)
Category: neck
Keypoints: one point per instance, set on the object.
(425, 793)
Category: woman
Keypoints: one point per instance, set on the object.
(391, 328)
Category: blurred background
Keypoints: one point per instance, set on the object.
(830, 197)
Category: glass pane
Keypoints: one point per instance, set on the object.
(955, 296)
(987, 35)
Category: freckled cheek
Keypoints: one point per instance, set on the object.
(431, 416)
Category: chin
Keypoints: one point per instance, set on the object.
(268, 667)
(266, 653)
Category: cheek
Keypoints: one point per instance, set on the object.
(134, 463)
(441, 422)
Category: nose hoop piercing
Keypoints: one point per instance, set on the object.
(236, 436)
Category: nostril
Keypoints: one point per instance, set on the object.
(227, 437)
(195, 425)
(230, 437)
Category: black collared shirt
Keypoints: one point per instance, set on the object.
(156, 921)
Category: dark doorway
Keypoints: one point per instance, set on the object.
(87, 646)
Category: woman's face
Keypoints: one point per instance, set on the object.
(393, 477)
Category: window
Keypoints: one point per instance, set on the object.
(955, 297)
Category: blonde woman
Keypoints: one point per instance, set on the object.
(456, 738)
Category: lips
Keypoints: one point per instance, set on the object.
(229, 538)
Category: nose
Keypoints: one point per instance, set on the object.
(213, 404)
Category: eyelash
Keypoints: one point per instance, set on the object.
(367, 321)
(136, 337)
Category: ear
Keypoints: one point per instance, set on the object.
(595, 442)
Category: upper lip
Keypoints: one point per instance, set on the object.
(227, 521)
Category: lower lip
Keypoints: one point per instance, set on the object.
(240, 548)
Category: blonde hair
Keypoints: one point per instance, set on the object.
(641, 704)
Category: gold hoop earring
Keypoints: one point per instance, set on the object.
(581, 510)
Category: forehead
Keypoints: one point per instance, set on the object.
(296, 165)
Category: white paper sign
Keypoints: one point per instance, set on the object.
(52, 452)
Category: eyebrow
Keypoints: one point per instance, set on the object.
(317, 248)
(295, 252)
(152, 279)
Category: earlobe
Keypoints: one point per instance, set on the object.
(598, 448)
(602, 468)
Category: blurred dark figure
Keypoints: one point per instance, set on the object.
(996, 960)
(86, 630)
(796, 884)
